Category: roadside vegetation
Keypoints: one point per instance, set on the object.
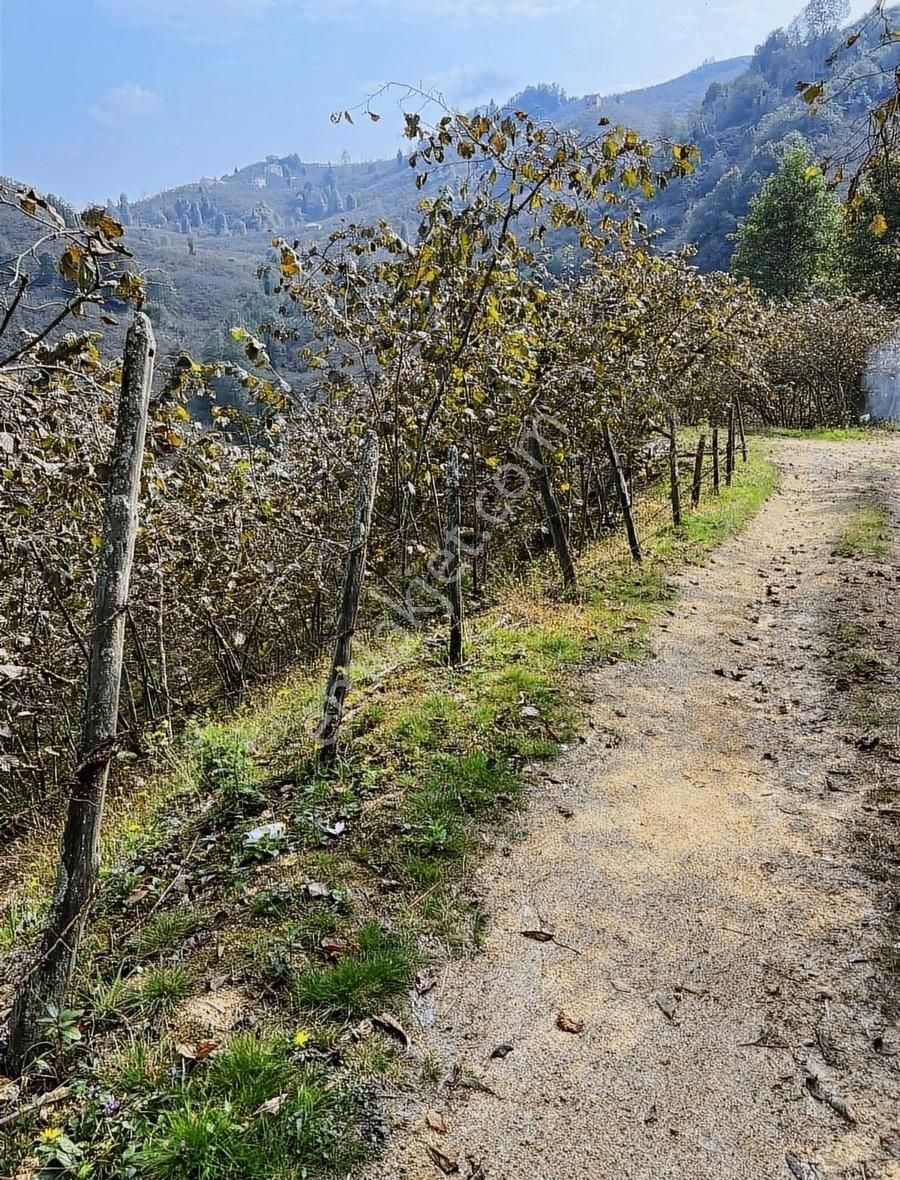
(259, 934)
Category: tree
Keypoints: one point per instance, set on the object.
(873, 232)
(221, 224)
(788, 244)
(821, 17)
(48, 980)
(124, 213)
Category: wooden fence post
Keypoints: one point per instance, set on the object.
(624, 495)
(715, 459)
(354, 571)
(551, 507)
(743, 433)
(698, 472)
(729, 449)
(674, 489)
(48, 978)
(454, 557)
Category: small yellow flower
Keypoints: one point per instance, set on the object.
(302, 1037)
(50, 1135)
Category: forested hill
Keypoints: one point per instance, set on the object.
(201, 245)
(744, 126)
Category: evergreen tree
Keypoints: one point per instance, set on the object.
(196, 217)
(124, 213)
(873, 233)
(789, 243)
(220, 224)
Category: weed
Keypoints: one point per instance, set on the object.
(360, 984)
(226, 769)
(160, 990)
(165, 931)
(866, 534)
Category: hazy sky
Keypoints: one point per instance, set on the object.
(104, 95)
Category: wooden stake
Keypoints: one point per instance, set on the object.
(698, 472)
(740, 422)
(729, 449)
(454, 557)
(551, 507)
(354, 571)
(49, 977)
(715, 458)
(624, 495)
(674, 489)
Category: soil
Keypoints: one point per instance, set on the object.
(719, 935)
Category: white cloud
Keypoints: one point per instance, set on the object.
(468, 84)
(123, 104)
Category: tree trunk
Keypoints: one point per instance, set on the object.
(339, 677)
(48, 979)
(698, 472)
(551, 507)
(624, 495)
(674, 489)
(454, 556)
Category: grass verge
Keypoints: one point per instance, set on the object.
(242, 989)
(866, 686)
(866, 535)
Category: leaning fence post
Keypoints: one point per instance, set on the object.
(674, 489)
(743, 433)
(624, 494)
(715, 459)
(698, 472)
(354, 571)
(551, 507)
(729, 449)
(454, 574)
(49, 977)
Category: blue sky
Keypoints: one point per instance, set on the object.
(100, 96)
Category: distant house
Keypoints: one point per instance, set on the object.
(260, 182)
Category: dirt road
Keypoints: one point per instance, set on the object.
(718, 933)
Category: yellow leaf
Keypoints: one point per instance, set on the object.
(812, 93)
(879, 226)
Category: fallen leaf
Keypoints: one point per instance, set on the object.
(500, 1052)
(436, 1121)
(800, 1168)
(448, 1166)
(537, 935)
(837, 1104)
(668, 1005)
(199, 1051)
(272, 1106)
(569, 1024)
(393, 1027)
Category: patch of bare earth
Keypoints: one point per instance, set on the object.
(716, 929)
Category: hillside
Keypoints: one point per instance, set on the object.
(743, 126)
(204, 242)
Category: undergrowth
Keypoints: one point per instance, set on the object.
(257, 930)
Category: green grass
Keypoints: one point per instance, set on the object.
(361, 983)
(820, 434)
(159, 990)
(372, 876)
(866, 535)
